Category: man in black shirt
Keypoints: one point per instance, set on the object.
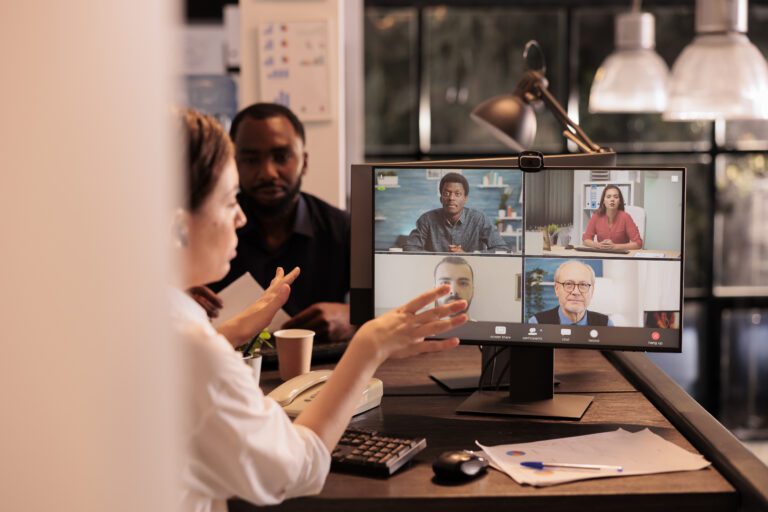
(287, 227)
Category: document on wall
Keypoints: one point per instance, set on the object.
(617, 453)
(240, 294)
(294, 67)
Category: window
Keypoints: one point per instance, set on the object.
(428, 66)
(634, 132)
(472, 54)
(391, 97)
(744, 393)
(741, 225)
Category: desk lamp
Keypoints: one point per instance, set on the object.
(511, 117)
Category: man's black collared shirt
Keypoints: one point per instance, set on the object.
(319, 244)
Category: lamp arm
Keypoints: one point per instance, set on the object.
(562, 116)
(571, 137)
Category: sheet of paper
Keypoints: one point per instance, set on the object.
(638, 453)
(649, 255)
(242, 293)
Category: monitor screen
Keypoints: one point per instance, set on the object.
(564, 257)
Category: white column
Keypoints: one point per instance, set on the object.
(86, 377)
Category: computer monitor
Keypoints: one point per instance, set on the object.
(560, 257)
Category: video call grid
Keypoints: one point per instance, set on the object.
(523, 256)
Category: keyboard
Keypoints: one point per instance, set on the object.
(372, 453)
(599, 249)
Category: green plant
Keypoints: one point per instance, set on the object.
(552, 229)
(503, 199)
(533, 291)
(253, 347)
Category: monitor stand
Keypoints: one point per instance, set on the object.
(531, 390)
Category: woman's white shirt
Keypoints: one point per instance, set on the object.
(238, 442)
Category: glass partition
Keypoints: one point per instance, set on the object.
(472, 54)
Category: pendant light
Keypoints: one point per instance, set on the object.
(721, 74)
(634, 77)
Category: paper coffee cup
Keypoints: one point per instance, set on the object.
(294, 351)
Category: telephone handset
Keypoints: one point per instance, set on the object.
(296, 393)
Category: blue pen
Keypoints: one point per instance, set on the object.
(542, 465)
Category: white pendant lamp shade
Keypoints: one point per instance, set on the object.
(634, 77)
(630, 81)
(721, 74)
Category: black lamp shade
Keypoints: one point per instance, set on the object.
(510, 119)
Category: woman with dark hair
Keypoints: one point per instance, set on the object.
(610, 227)
(237, 441)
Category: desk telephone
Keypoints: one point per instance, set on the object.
(296, 393)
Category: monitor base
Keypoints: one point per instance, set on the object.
(495, 403)
(457, 380)
(462, 380)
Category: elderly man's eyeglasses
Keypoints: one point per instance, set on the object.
(570, 285)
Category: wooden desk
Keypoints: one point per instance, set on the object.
(415, 405)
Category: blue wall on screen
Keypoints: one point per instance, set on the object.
(400, 207)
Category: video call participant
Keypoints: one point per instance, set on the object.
(286, 227)
(237, 442)
(574, 287)
(613, 227)
(455, 272)
(454, 228)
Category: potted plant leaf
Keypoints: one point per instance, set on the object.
(252, 352)
(533, 291)
(503, 211)
(552, 230)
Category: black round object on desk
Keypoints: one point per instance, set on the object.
(459, 465)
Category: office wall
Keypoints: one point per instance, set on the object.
(664, 209)
(203, 47)
(497, 296)
(629, 288)
(580, 215)
(86, 377)
(329, 156)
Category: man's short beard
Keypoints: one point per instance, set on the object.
(452, 298)
(280, 207)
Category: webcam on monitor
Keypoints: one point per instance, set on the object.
(531, 161)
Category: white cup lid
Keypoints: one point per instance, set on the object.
(293, 333)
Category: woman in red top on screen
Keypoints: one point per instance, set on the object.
(610, 226)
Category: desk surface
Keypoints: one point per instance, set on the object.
(558, 250)
(415, 405)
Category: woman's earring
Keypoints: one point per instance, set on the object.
(180, 235)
